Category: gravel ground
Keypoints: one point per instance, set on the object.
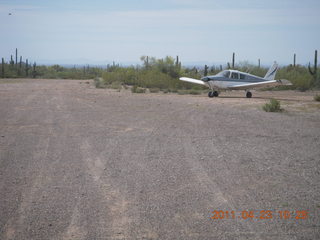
(83, 163)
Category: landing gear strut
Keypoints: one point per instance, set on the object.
(249, 95)
(212, 94)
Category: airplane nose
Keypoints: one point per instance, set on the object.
(205, 79)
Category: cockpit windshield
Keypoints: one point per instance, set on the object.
(225, 74)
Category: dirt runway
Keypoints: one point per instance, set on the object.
(78, 162)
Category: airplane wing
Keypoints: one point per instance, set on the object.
(255, 85)
(192, 80)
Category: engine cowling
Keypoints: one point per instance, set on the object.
(205, 79)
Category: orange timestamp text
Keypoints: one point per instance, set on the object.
(260, 215)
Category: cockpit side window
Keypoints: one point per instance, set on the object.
(235, 75)
(242, 76)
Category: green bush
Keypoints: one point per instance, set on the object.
(165, 91)
(136, 89)
(115, 85)
(99, 83)
(317, 98)
(272, 106)
(154, 90)
(173, 90)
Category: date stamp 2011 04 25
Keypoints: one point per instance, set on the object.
(260, 215)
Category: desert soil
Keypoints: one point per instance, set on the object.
(78, 162)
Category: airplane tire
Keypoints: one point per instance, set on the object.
(249, 95)
(215, 94)
(210, 94)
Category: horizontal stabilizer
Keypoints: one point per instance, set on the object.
(192, 80)
(285, 82)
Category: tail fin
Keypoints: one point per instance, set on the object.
(270, 75)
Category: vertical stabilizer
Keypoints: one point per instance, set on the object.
(271, 74)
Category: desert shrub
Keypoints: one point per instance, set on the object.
(115, 85)
(136, 89)
(272, 106)
(99, 83)
(182, 92)
(317, 97)
(173, 90)
(165, 91)
(154, 90)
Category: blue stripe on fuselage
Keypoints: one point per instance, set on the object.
(223, 79)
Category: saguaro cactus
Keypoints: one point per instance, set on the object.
(294, 60)
(34, 72)
(27, 68)
(16, 56)
(178, 63)
(314, 71)
(259, 63)
(233, 55)
(11, 60)
(205, 70)
(20, 63)
(2, 68)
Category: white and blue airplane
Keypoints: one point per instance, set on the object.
(236, 80)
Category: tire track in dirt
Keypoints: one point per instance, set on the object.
(115, 203)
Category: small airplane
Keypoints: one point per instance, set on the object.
(234, 79)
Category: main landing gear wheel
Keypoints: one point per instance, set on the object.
(213, 94)
(249, 95)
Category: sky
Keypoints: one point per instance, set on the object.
(198, 31)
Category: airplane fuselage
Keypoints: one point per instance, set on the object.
(229, 78)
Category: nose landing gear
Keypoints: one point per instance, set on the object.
(248, 94)
(212, 94)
